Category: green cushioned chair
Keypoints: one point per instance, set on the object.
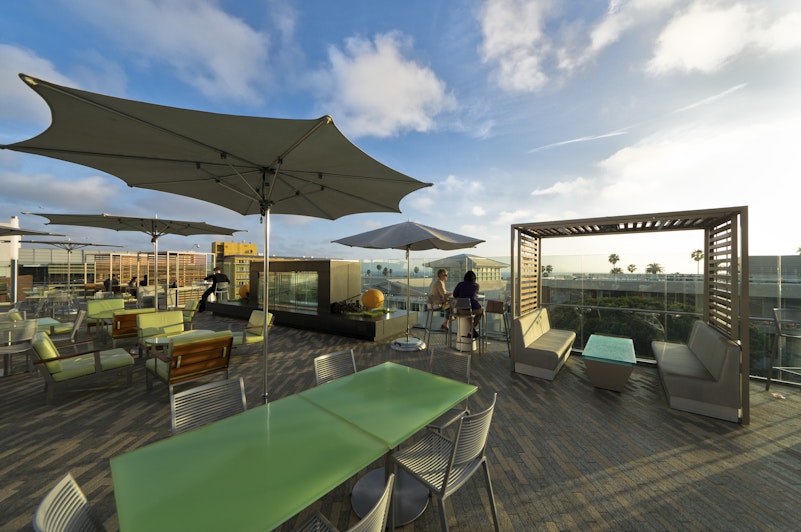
(59, 370)
(254, 331)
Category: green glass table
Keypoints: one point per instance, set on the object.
(609, 361)
(391, 402)
(252, 471)
(257, 469)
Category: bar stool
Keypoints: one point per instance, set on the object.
(497, 308)
(221, 292)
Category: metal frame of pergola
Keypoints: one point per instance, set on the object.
(726, 276)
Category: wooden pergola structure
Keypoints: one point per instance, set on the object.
(726, 277)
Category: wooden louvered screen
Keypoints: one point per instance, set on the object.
(722, 308)
(529, 273)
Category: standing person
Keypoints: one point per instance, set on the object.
(216, 277)
(469, 288)
(440, 298)
(112, 282)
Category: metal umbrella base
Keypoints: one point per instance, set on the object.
(409, 497)
(407, 344)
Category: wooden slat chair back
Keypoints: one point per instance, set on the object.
(190, 357)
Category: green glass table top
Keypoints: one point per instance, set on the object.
(612, 349)
(251, 471)
(390, 401)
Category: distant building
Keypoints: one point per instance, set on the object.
(234, 259)
(486, 270)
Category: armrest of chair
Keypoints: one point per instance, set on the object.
(95, 352)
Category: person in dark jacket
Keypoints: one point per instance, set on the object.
(469, 288)
(217, 277)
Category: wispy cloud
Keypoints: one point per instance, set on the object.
(589, 138)
(709, 100)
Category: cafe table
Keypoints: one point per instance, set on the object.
(255, 470)
(391, 402)
(251, 471)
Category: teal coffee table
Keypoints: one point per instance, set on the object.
(609, 361)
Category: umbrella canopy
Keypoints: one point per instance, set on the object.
(155, 227)
(69, 246)
(18, 231)
(409, 236)
(247, 164)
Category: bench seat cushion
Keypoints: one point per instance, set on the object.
(85, 364)
(677, 359)
(548, 349)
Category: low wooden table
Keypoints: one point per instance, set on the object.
(609, 361)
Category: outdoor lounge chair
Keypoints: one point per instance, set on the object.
(200, 405)
(374, 521)
(444, 465)
(67, 332)
(253, 332)
(60, 370)
(15, 338)
(65, 509)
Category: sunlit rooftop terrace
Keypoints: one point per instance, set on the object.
(563, 454)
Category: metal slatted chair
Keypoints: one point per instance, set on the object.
(200, 405)
(374, 521)
(444, 466)
(15, 338)
(66, 332)
(334, 365)
(65, 509)
(456, 366)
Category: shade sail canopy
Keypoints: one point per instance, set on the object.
(18, 231)
(250, 165)
(155, 227)
(69, 246)
(409, 236)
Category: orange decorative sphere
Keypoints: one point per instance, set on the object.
(244, 291)
(373, 298)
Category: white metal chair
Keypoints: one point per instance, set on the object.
(67, 332)
(15, 338)
(374, 521)
(445, 465)
(200, 405)
(456, 366)
(221, 291)
(65, 509)
(334, 365)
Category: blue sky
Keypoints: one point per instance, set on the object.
(516, 111)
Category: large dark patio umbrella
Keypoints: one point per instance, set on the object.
(409, 236)
(154, 227)
(247, 164)
(69, 246)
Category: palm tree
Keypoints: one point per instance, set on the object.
(632, 268)
(613, 260)
(798, 251)
(416, 270)
(368, 273)
(654, 268)
(616, 270)
(548, 269)
(697, 256)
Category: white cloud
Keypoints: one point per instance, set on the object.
(707, 37)
(578, 185)
(515, 41)
(20, 103)
(374, 90)
(208, 48)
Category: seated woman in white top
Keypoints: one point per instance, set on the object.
(439, 298)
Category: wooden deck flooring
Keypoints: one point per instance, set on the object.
(563, 455)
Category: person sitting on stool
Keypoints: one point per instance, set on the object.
(469, 288)
(217, 277)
